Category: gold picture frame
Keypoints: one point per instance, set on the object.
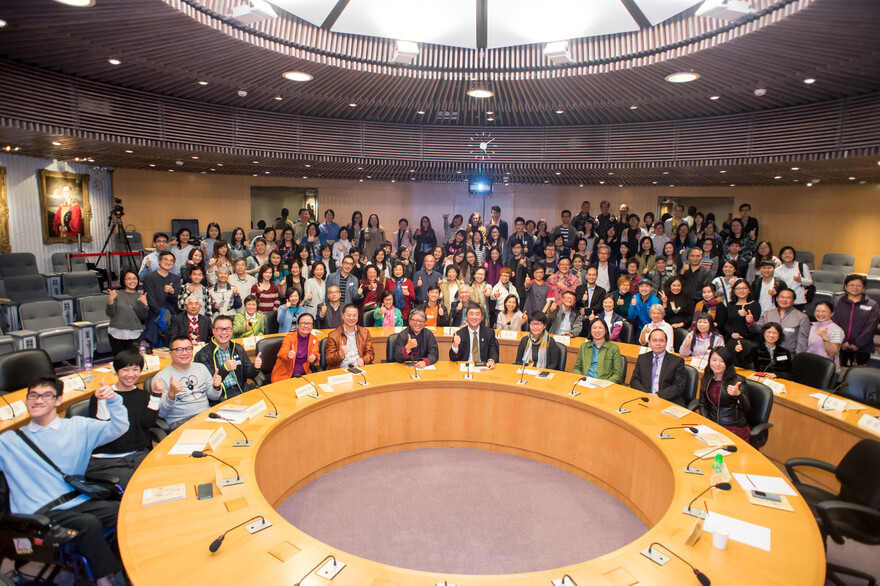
(65, 209)
(5, 244)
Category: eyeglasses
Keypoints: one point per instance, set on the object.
(224, 330)
(43, 396)
(183, 350)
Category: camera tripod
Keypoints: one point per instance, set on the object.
(116, 226)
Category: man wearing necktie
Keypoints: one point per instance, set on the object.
(660, 373)
(192, 323)
(475, 342)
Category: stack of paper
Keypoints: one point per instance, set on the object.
(234, 413)
(747, 533)
(191, 440)
(164, 494)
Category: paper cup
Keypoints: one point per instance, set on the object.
(719, 538)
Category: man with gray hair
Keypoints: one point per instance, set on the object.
(415, 343)
(191, 323)
(607, 271)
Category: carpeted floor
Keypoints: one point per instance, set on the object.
(450, 510)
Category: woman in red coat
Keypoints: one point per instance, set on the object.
(298, 352)
(403, 290)
(372, 287)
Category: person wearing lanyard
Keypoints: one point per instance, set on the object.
(227, 360)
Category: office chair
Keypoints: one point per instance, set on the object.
(813, 370)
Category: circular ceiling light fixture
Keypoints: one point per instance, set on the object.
(682, 77)
(480, 93)
(297, 76)
(114, 61)
(77, 3)
(810, 80)
(203, 83)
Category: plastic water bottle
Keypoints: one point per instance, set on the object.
(88, 369)
(143, 348)
(717, 469)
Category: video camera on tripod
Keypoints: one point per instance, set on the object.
(116, 212)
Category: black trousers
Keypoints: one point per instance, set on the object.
(91, 519)
(851, 358)
(117, 345)
(123, 467)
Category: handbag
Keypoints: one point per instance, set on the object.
(77, 482)
(160, 321)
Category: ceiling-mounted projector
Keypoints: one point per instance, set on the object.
(724, 9)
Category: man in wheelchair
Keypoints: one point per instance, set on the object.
(44, 461)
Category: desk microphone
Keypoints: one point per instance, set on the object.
(215, 545)
(11, 410)
(522, 375)
(415, 374)
(239, 444)
(698, 513)
(321, 563)
(703, 578)
(623, 411)
(664, 435)
(355, 370)
(225, 481)
(709, 454)
(274, 413)
(573, 392)
(468, 375)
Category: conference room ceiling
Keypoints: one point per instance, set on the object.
(167, 47)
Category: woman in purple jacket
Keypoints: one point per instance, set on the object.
(857, 314)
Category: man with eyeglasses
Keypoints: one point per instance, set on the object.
(161, 288)
(415, 343)
(191, 323)
(36, 488)
(186, 387)
(228, 359)
(346, 281)
(150, 263)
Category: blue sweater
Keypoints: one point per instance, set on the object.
(640, 311)
(32, 482)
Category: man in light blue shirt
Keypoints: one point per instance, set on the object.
(151, 261)
(37, 488)
(328, 230)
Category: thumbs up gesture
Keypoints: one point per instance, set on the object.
(104, 392)
(620, 301)
(456, 340)
(111, 297)
(258, 361)
(419, 284)
(323, 309)
(411, 343)
(750, 319)
(230, 364)
(158, 386)
(734, 390)
(174, 388)
(217, 380)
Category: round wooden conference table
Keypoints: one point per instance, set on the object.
(583, 434)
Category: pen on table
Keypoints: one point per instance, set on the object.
(706, 506)
(750, 482)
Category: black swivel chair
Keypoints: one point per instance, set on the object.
(761, 401)
(813, 370)
(862, 384)
(623, 366)
(563, 355)
(389, 348)
(18, 369)
(268, 348)
(692, 387)
(678, 336)
(271, 322)
(627, 333)
(322, 348)
(853, 513)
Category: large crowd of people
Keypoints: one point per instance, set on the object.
(606, 278)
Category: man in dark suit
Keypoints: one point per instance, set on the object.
(606, 270)
(458, 310)
(495, 213)
(487, 345)
(191, 323)
(660, 373)
(589, 295)
(415, 343)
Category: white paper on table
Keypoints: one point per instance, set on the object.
(73, 383)
(305, 390)
(12, 411)
(448, 331)
(701, 429)
(186, 449)
(598, 382)
(777, 387)
(463, 367)
(217, 438)
(771, 484)
(644, 350)
(429, 367)
(588, 382)
(742, 531)
(256, 409)
(249, 343)
(326, 388)
(340, 379)
(151, 362)
(316, 332)
(562, 339)
(698, 363)
(531, 371)
(869, 422)
(398, 329)
(235, 416)
(104, 369)
(506, 335)
(829, 403)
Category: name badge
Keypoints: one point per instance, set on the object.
(865, 307)
(788, 330)
(781, 358)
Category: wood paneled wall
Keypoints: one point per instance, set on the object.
(821, 219)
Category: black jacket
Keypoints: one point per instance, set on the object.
(179, 326)
(488, 345)
(730, 411)
(672, 377)
(426, 350)
(595, 304)
(243, 371)
(552, 352)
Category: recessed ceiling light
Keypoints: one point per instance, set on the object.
(490, 119)
(490, 112)
(581, 185)
(558, 173)
(152, 164)
(203, 83)
(796, 181)
(212, 169)
(255, 162)
(352, 105)
(171, 170)
(219, 164)
(411, 178)
(722, 171)
(308, 166)
(77, 3)
(795, 168)
(778, 177)
(361, 180)
(546, 181)
(560, 111)
(392, 181)
(601, 183)
(809, 184)
(266, 172)
(3, 23)
(195, 157)
(412, 170)
(279, 98)
(682, 77)
(653, 183)
(360, 168)
(620, 184)
(852, 178)
(611, 172)
(666, 172)
(733, 184)
(56, 143)
(458, 172)
(297, 76)
(862, 182)
(671, 185)
(714, 97)
(420, 112)
(633, 107)
(305, 176)
(255, 175)
(128, 151)
(810, 80)
(480, 93)
(760, 92)
(369, 176)
(114, 61)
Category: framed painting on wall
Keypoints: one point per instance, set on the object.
(5, 245)
(64, 207)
